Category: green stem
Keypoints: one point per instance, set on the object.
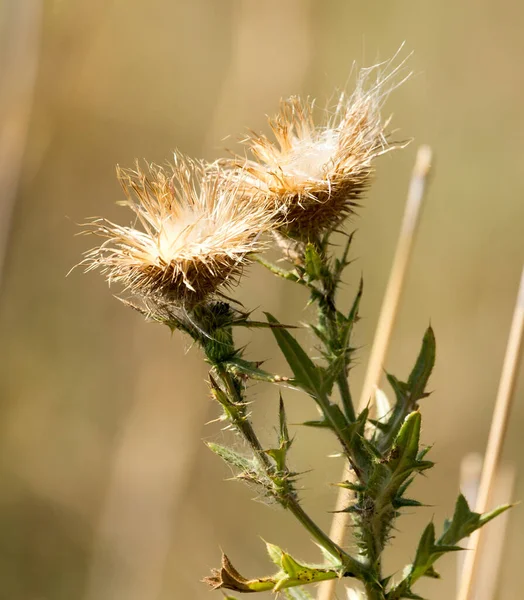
(324, 540)
(241, 422)
(276, 270)
(352, 566)
(345, 395)
(328, 314)
(374, 591)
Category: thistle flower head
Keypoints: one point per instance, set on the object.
(317, 168)
(191, 234)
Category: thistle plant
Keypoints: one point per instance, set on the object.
(198, 227)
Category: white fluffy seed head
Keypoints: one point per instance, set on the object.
(192, 234)
(318, 166)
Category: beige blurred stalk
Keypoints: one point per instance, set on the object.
(154, 454)
(20, 32)
(496, 437)
(490, 559)
(383, 331)
(245, 93)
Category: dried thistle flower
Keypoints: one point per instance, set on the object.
(196, 234)
(317, 169)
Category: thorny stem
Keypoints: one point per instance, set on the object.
(328, 313)
(243, 424)
(373, 591)
(352, 567)
(345, 395)
(276, 270)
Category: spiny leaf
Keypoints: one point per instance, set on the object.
(350, 485)
(332, 561)
(285, 274)
(342, 262)
(319, 423)
(353, 313)
(275, 554)
(319, 333)
(408, 393)
(290, 566)
(284, 433)
(421, 372)
(465, 521)
(405, 446)
(258, 324)
(463, 524)
(297, 593)
(239, 366)
(307, 375)
(340, 347)
(279, 456)
(400, 502)
(428, 552)
(315, 267)
(231, 457)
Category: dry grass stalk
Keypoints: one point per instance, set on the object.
(496, 437)
(493, 547)
(22, 24)
(385, 324)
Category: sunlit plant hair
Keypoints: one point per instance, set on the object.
(320, 162)
(192, 235)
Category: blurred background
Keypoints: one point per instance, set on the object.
(107, 491)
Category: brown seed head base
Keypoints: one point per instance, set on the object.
(195, 233)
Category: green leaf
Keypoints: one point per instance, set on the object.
(279, 456)
(465, 521)
(408, 393)
(405, 446)
(332, 561)
(428, 552)
(342, 262)
(353, 313)
(319, 423)
(284, 433)
(290, 566)
(463, 524)
(239, 366)
(231, 457)
(315, 268)
(363, 452)
(309, 377)
(421, 372)
(275, 554)
(319, 333)
(432, 573)
(350, 485)
(306, 374)
(276, 270)
(340, 349)
(400, 502)
(297, 593)
(258, 324)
